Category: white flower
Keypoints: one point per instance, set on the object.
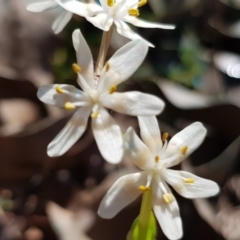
(96, 97)
(63, 16)
(118, 12)
(154, 157)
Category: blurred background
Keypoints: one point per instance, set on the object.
(195, 69)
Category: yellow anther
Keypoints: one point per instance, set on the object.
(112, 89)
(168, 197)
(183, 150)
(157, 159)
(165, 137)
(142, 2)
(95, 114)
(133, 12)
(143, 188)
(69, 106)
(110, 3)
(76, 68)
(59, 90)
(189, 180)
(107, 65)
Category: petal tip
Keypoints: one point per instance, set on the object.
(51, 151)
(104, 214)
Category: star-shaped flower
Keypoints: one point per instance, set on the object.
(63, 16)
(116, 12)
(154, 156)
(99, 95)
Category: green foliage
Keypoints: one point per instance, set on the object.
(190, 69)
(133, 234)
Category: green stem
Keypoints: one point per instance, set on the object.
(145, 213)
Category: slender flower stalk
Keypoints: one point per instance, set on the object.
(103, 50)
(154, 156)
(96, 96)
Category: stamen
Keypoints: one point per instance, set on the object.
(168, 198)
(95, 114)
(59, 90)
(189, 180)
(165, 137)
(107, 65)
(149, 180)
(112, 89)
(76, 68)
(164, 147)
(142, 3)
(143, 188)
(183, 150)
(110, 3)
(157, 159)
(69, 106)
(133, 12)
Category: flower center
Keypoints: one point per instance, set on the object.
(120, 8)
(134, 11)
(94, 96)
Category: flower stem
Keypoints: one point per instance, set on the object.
(106, 38)
(145, 213)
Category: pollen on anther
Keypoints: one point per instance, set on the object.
(188, 180)
(107, 65)
(110, 3)
(168, 198)
(183, 150)
(133, 12)
(157, 159)
(59, 90)
(143, 188)
(69, 106)
(165, 137)
(76, 68)
(112, 89)
(95, 114)
(142, 3)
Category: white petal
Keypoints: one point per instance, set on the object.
(133, 103)
(48, 94)
(101, 21)
(61, 21)
(122, 193)
(200, 188)
(191, 136)
(136, 151)
(145, 24)
(84, 57)
(108, 136)
(70, 133)
(104, 5)
(131, 3)
(125, 30)
(167, 215)
(38, 6)
(123, 64)
(79, 8)
(150, 132)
